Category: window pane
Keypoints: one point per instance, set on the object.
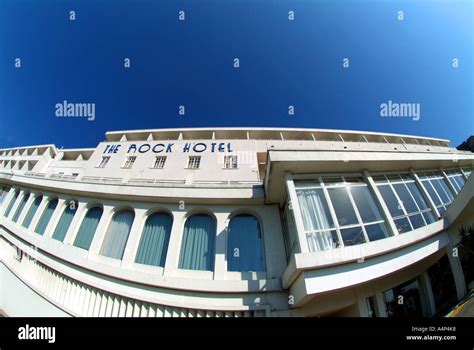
(88, 227)
(390, 200)
(64, 222)
(155, 239)
(314, 210)
(403, 225)
(429, 217)
(431, 192)
(12, 202)
(460, 181)
(32, 211)
(365, 204)
(117, 234)
(342, 205)
(352, 236)
(417, 221)
(319, 241)
(21, 207)
(197, 251)
(244, 244)
(417, 195)
(407, 202)
(43, 222)
(376, 232)
(441, 192)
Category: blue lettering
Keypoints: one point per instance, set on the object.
(132, 147)
(106, 148)
(229, 148)
(158, 145)
(147, 148)
(213, 147)
(186, 147)
(199, 147)
(169, 148)
(221, 147)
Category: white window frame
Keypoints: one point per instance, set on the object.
(103, 162)
(159, 162)
(193, 161)
(129, 161)
(427, 177)
(230, 162)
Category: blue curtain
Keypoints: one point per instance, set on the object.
(32, 211)
(43, 222)
(21, 207)
(88, 227)
(244, 244)
(10, 205)
(64, 222)
(117, 234)
(197, 251)
(155, 238)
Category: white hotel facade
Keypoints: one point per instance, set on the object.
(231, 222)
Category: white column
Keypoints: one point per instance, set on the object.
(290, 188)
(458, 274)
(27, 207)
(220, 261)
(450, 185)
(15, 205)
(134, 238)
(54, 218)
(425, 279)
(7, 200)
(380, 305)
(380, 203)
(463, 174)
(174, 246)
(100, 232)
(425, 194)
(75, 223)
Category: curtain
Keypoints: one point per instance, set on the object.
(32, 211)
(117, 234)
(244, 240)
(316, 216)
(64, 222)
(43, 223)
(88, 227)
(21, 207)
(155, 238)
(197, 252)
(10, 205)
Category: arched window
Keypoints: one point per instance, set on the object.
(154, 241)
(20, 208)
(197, 250)
(117, 234)
(43, 222)
(88, 227)
(10, 205)
(244, 244)
(65, 221)
(32, 211)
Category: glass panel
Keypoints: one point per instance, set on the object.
(310, 183)
(441, 191)
(334, 180)
(197, 251)
(88, 227)
(32, 211)
(429, 217)
(64, 222)
(314, 210)
(155, 239)
(352, 236)
(431, 192)
(117, 234)
(365, 204)
(244, 244)
(21, 207)
(43, 222)
(390, 200)
(411, 306)
(12, 202)
(417, 195)
(376, 232)
(417, 221)
(441, 210)
(403, 225)
(320, 241)
(407, 201)
(342, 205)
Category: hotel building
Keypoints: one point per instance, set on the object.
(234, 222)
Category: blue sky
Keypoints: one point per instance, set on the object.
(190, 63)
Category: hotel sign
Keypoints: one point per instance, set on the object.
(197, 147)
